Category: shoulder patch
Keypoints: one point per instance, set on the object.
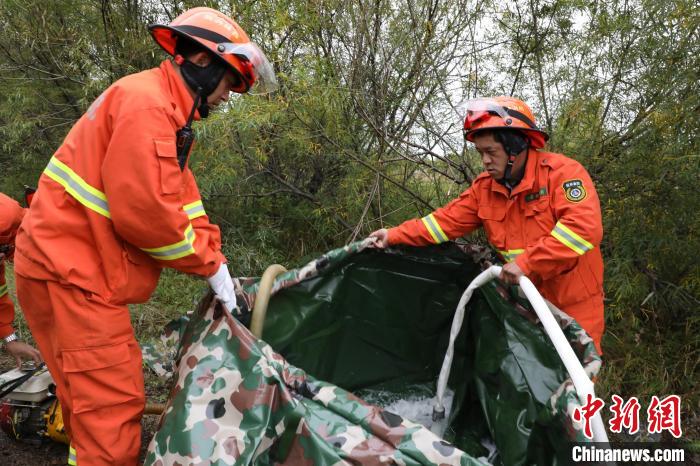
(574, 190)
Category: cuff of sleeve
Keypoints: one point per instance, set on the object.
(523, 263)
(391, 236)
(219, 263)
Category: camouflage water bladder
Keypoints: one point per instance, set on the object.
(362, 320)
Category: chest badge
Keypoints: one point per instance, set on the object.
(574, 190)
(536, 195)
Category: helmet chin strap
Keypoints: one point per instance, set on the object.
(510, 180)
(514, 144)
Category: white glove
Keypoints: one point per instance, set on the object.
(222, 284)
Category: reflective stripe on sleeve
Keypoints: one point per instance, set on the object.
(88, 196)
(174, 251)
(194, 209)
(570, 239)
(434, 229)
(96, 201)
(511, 254)
(3, 290)
(72, 456)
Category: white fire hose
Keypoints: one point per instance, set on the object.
(582, 383)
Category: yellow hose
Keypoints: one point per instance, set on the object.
(257, 319)
(154, 408)
(263, 298)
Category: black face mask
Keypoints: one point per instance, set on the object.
(203, 78)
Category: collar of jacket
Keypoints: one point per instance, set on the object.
(180, 96)
(528, 179)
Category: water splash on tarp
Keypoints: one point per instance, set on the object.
(415, 402)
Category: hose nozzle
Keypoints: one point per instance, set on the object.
(438, 413)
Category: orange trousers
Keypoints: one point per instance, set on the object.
(589, 314)
(95, 361)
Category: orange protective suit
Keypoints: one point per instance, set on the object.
(112, 209)
(11, 214)
(550, 225)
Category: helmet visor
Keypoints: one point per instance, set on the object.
(254, 62)
(473, 111)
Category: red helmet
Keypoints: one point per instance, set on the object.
(223, 37)
(501, 112)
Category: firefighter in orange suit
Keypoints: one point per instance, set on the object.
(11, 214)
(540, 211)
(116, 204)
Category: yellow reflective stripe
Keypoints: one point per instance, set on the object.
(3, 290)
(72, 456)
(430, 231)
(90, 197)
(511, 254)
(434, 229)
(570, 239)
(588, 246)
(194, 209)
(96, 200)
(174, 251)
